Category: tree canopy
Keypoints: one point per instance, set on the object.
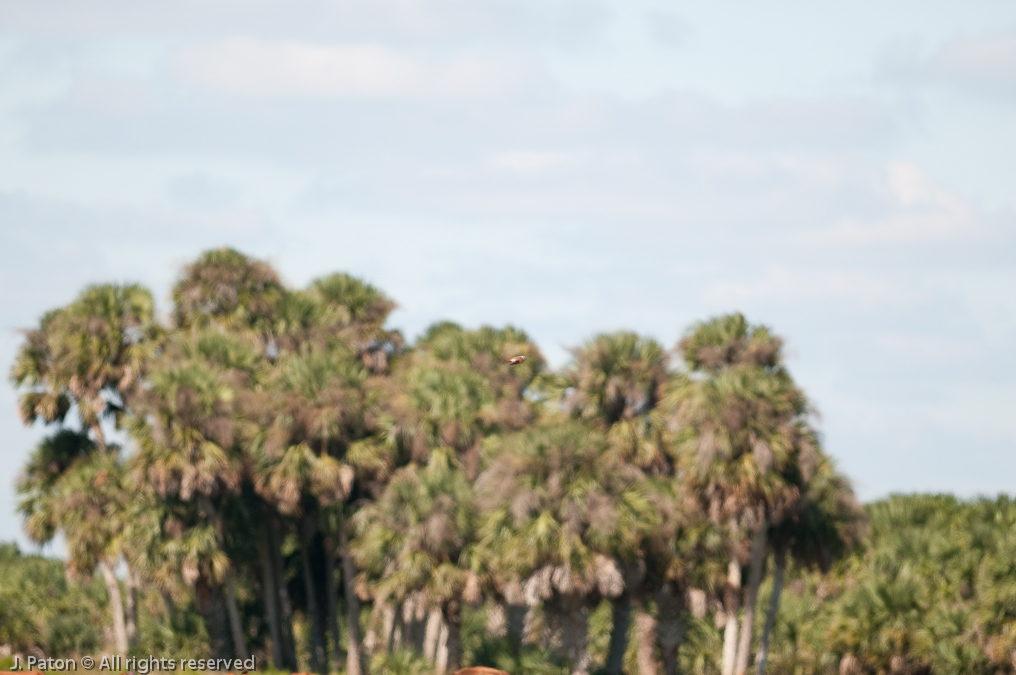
(295, 479)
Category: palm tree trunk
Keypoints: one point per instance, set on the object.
(398, 628)
(431, 634)
(333, 601)
(387, 627)
(212, 609)
(517, 625)
(132, 606)
(670, 628)
(453, 617)
(318, 658)
(285, 604)
(235, 626)
(354, 662)
(731, 605)
(271, 604)
(441, 660)
(758, 558)
(574, 619)
(645, 643)
(116, 605)
(762, 656)
(621, 622)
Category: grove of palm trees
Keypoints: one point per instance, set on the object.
(278, 472)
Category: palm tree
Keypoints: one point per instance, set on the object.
(91, 355)
(556, 514)
(186, 426)
(614, 377)
(819, 530)
(737, 420)
(311, 419)
(682, 557)
(453, 389)
(614, 382)
(69, 486)
(226, 287)
(319, 406)
(416, 546)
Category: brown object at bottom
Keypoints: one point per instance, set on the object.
(479, 670)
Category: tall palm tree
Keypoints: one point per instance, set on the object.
(614, 382)
(318, 411)
(187, 428)
(90, 354)
(69, 487)
(556, 514)
(416, 544)
(328, 342)
(737, 417)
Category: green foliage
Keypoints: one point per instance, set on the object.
(40, 609)
(930, 588)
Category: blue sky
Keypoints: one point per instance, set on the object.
(841, 173)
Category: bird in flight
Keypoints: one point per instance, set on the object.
(515, 360)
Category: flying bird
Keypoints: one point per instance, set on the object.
(515, 360)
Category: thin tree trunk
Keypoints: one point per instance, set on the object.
(670, 627)
(116, 605)
(732, 603)
(453, 617)
(387, 627)
(774, 605)
(441, 661)
(412, 625)
(354, 662)
(132, 606)
(235, 625)
(516, 625)
(333, 602)
(318, 658)
(431, 634)
(758, 558)
(285, 604)
(399, 628)
(271, 598)
(621, 622)
(212, 609)
(645, 643)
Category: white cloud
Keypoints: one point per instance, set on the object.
(252, 67)
(923, 212)
(781, 283)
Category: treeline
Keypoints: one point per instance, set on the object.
(305, 485)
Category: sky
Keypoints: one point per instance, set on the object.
(843, 173)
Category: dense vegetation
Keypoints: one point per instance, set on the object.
(302, 484)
